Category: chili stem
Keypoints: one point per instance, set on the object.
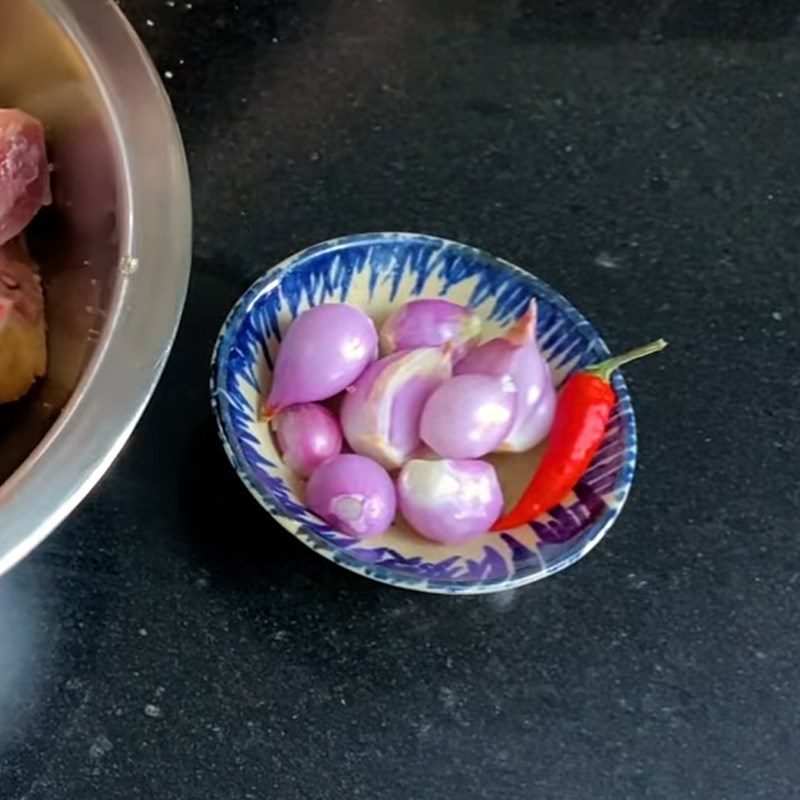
(604, 369)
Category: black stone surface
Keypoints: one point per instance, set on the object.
(170, 642)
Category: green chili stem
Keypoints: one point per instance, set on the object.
(604, 369)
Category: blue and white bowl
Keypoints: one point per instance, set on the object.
(378, 272)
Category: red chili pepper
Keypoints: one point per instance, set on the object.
(584, 406)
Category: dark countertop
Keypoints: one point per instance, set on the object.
(170, 642)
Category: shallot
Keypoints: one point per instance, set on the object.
(449, 501)
(468, 416)
(353, 494)
(308, 435)
(431, 323)
(516, 357)
(324, 350)
(381, 413)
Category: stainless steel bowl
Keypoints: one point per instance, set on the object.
(114, 250)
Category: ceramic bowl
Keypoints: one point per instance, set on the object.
(378, 272)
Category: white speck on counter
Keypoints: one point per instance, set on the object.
(448, 697)
(142, 631)
(150, 23)
(168, 74)
(777, 316)
(99, 747)
(153, 711)
(607, 261)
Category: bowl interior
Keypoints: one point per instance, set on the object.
(76, 240)
(378, 272)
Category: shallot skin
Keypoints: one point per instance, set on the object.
(324, 350)
(468, 416)
(308, 435)
(449, 501)
(381, 413)
(516, 357)
(353, 494)
(431, 323)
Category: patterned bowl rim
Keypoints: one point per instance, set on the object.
(270, 280)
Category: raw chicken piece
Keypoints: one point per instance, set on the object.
(24, 173)
(23, 350)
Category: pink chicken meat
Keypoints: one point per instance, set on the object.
(24, 173)
(24, 189)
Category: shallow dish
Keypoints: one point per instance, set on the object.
(378, 272)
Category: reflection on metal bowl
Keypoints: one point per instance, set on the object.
(114, 249)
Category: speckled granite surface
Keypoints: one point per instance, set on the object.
(170, 642)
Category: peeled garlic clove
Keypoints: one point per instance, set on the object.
(431, 323)
(381, 412)
(449, 501)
